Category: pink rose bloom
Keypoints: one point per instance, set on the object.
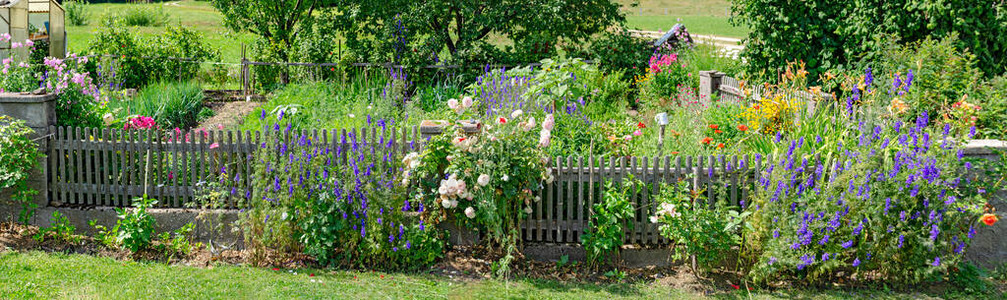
(637, 133)
(548, 123)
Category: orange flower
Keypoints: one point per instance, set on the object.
(714, 126)
(989, 219)
(720, 146)
(707, 140)
(718, 131)
(743, 127)
(674, 152)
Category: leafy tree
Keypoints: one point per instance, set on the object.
(408, 31)
(275, 21)
(838, 33)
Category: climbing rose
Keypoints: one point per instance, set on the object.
(483, 180)
(470, 212)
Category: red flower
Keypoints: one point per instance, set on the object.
(718, 131)
(714, 126)
(707, 140)
(332, 69)
(276, 269)
(989, 219)
(720, 146)
(382, 276)
(743, 127)
(735, 286)
(641, 125)
(311, 275)
(502, 120)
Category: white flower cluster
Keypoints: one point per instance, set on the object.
(411, 162)
(451, 190)
(665, 209)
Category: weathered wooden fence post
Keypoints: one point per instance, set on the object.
(39, 113)
(709, 83)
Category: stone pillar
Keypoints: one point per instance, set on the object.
(709, 84)
(989, 247)
(39, 113)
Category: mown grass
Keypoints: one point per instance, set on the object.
(196, 15)
(40, 275)
(707, 17)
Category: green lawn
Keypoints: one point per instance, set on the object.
(197, 15)
(39, 275)
(708, 17)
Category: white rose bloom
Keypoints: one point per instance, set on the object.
(453, 104)
(527, 209)
(544, 138)
(515, 114)
(530, 125)
(470, 212)
(446, 203)
(653, 219)
(550, 179)
(537, 198)
(505, 177)
(483, 180)
(467, 102)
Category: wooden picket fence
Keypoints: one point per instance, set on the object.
(110, 167)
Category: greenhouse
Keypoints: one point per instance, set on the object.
(40, 21)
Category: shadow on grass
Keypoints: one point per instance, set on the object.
(620, 289)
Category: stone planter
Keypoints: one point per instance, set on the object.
(38, 111)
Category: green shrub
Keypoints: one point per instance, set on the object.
(141, 61)
(608, 225)
(620, 51)
(17, 160)
(76, 12)
(941, 73)
(171, 105)
(143, 15)
(135, 228)
(695, 228)
(992, 117)
(828, 34)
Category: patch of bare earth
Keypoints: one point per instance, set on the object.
(228, 114)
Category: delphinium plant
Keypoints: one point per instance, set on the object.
(339, 201)
(888, 203)
(485, 181)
